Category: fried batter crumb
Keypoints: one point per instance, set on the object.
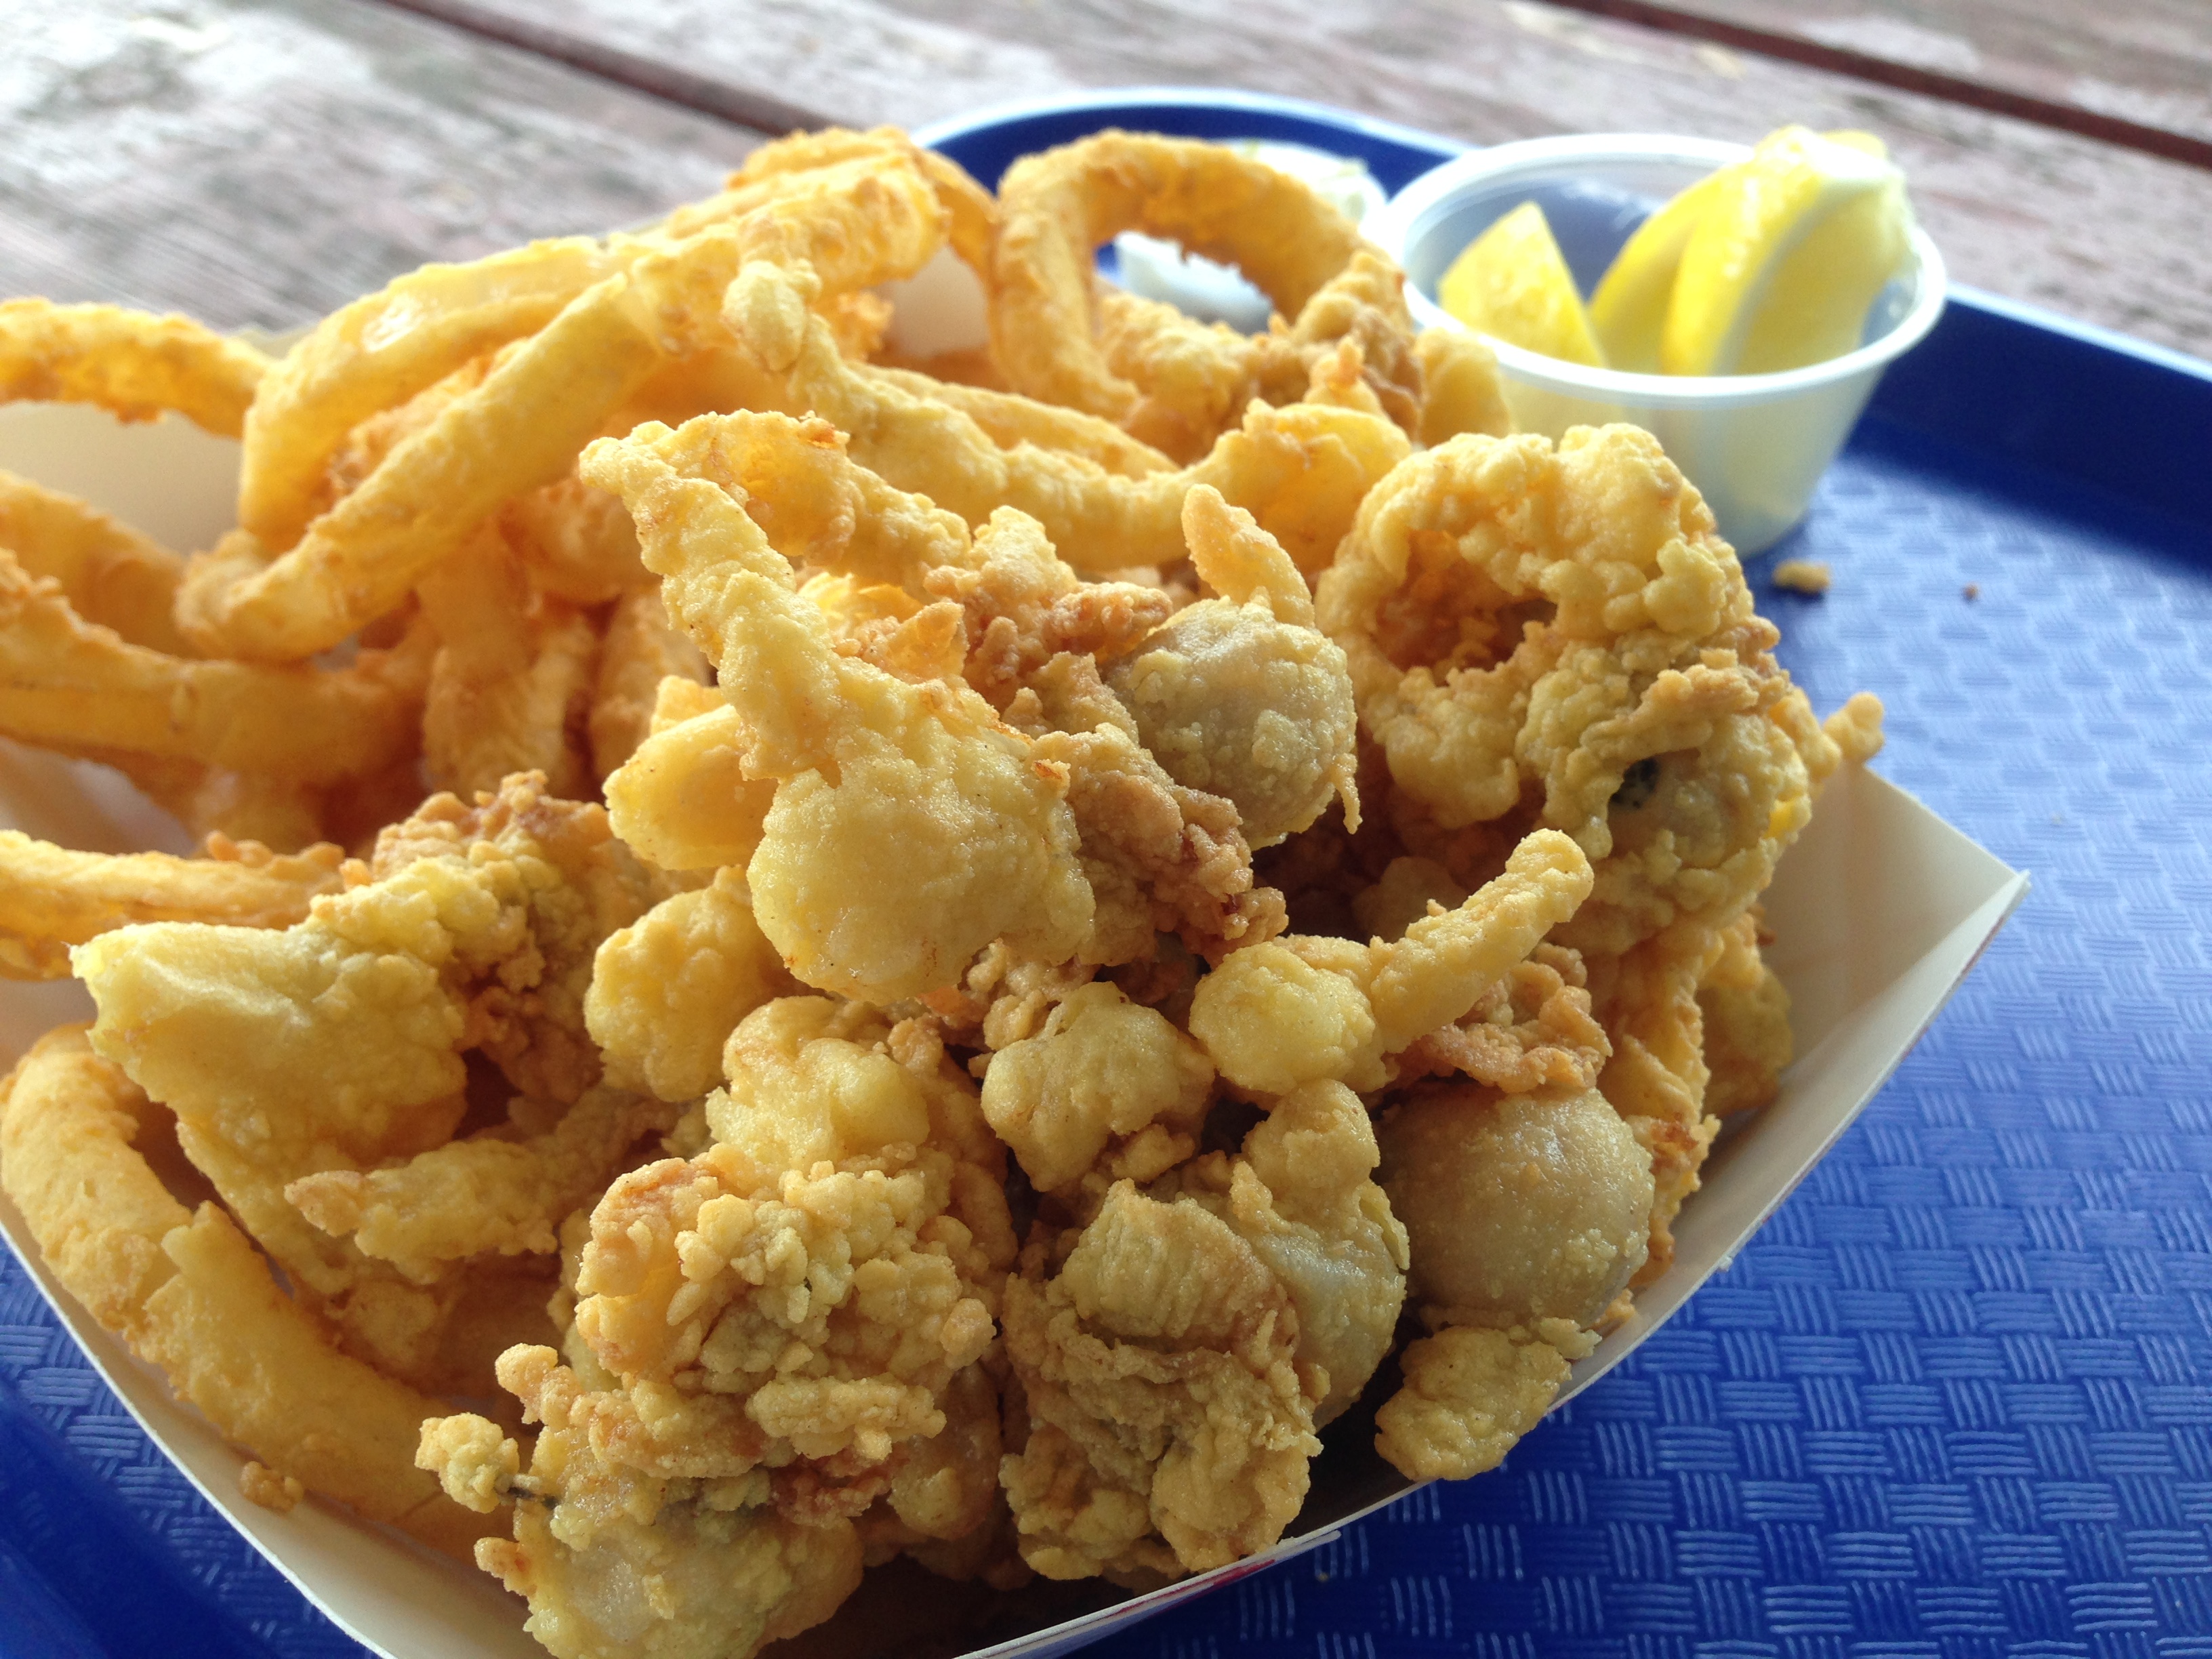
(261, 1484)
(1802, 575)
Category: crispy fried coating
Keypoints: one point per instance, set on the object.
(1108, 1089)
(492, 1194)
(132, 364)
(1302, 1194)
(1461, 390)
(336, 1044)
(1301, 470)
(1169, 1427)
(111, 575)
(668, 989)
(1745, 1013)
(616, 1562)
(1170, 382)
(188, 1293)
(641, 648)
(1307, 1008)
(1469, 1394)
(52, 898)
(914, 793)
(512, 679)
(69, 685)
(681, 800)
(1240, 695)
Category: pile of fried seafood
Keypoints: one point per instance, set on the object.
(931, 958)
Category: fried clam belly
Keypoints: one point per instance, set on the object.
(796, 1304)
(134, 364)
(1528, 1215)
(681, 801)
(912, 791)
(1745, 1012)
(336, 1044)
(1169, 1426)
(1309, 1008)
(190, 1295)
(1241, 696)
(668, 989)
(275, 599)
(1301, 470)
(1559, 630)
(1104, 1089)
(616, 1562)
(1302, 1193)
(73, 686)
(1057, 207)
(52, 898)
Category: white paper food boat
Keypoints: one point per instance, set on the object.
(1878, 912)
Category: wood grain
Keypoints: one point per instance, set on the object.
(259, 164)
(2145, 61)
(2039, 215)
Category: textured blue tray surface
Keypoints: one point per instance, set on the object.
(1954, 1401)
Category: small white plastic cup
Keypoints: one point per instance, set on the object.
(1754, 445)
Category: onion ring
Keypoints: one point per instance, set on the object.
(134, 364)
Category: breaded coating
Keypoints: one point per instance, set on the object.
(1469, 1394)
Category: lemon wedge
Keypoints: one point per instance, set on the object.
(1512, 283)
(1788, 251)
(1629, 311)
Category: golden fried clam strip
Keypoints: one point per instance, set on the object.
(111, 576)
(134, 364)
(190, 1295)
(522, 427)
(912, 791)
(1301, 470)
(380, 350)
(67, 684)
(1308, 1008)
(52, 898)
(511, 686)
(1055, 209)
(1745, 1012)
(1007, 418)
(492, 1194)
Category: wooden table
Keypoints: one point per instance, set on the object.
(258, 163)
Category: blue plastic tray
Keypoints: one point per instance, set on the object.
(1956, 1400)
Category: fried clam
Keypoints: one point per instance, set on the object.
(1057, 207)
(521, 429)
(111, 575)
(1241, 696)
(1301, 470)
(188, 1293)
(132, 364)
(477, 930)
(1309, 1008)
(52, 898)
(74, 686)
(909, 789)
(1562, 626)
(770, 1339)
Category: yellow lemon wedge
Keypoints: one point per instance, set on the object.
(1788, 251)
(1513, 283)
(1628, 313)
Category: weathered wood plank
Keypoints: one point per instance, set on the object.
(260, 163)
(2148, 62)
(2038, 215)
